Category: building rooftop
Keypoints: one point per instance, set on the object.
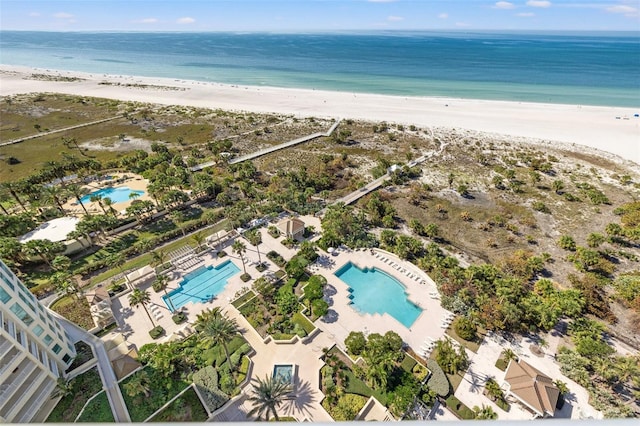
(54, 230)
(532, 387)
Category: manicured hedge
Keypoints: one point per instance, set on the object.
(438, 381)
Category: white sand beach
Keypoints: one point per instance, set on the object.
(615, 130)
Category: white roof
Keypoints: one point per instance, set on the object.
(140, 273)
(53, 230)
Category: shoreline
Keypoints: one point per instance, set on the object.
(612, 130)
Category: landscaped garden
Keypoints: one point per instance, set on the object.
(214, 359)
(97, 410)
(387, 373)
(75, 394)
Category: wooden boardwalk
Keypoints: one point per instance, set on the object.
(271, 149)
(51, 132)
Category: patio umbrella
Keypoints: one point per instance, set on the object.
(330, 250)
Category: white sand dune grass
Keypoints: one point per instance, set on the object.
(614, 130)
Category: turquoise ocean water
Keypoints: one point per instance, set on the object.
(570, 68)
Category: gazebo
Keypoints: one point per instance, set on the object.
(534, 389)
(291, 227)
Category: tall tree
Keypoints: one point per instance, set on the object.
(141, 298)
(255, 239)
(78, 192)
(267, 395)
(240, 249)
(54, 194)
(160, 283)
(219, 330)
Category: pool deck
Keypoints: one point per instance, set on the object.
(133, 181)
(342, 318)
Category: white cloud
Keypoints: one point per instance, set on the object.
(503, 5)
(34, 14)
(443, 16)
(539, 3)
(525, 14)
(186, 20)
(462, 25)
(624, 9)
(394, 18)
(62, 15)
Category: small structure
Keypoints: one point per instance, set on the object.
(285, 373)
(57, 230)
(140, 275)
(291, 227)
(532, 388)
(97, 295)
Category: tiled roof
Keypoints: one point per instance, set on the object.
(532, 387)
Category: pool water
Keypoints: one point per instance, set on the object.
(283, 373)
(375, 292)
(117, 195)
(201, 284)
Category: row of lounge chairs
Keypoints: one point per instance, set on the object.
(188, 262)
(157, 313)
(427, 347)
(399, 268)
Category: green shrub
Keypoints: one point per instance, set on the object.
(501, 364)
(355, 342)
(179, 318)
(245, 277)
(206, 380)
(408, 363)
(156, 332)
(420, 372)
(459, 408)
(465, 328)
(438, 381)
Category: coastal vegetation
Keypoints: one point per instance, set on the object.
(519, 237)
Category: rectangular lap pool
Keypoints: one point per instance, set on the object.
(374, 291)
(202, 284)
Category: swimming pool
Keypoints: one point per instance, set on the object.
(202, 284)
(117, 195)
(375, 292)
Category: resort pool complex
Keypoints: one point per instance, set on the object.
(375, 292)
(117, 195)
(201, 285)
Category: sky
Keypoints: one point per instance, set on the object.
(318, 15)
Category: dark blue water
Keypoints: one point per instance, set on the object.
(596, 68)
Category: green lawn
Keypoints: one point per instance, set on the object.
(97, 411)
(243, 299)
(186, 408)
(359, 387)
(472, 345)
(83, 387)
(459, 408)
(146, 259)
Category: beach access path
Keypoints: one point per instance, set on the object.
(271, 149)
(65, 129)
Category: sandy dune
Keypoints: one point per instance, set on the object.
(611, 129)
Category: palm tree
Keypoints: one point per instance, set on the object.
(240, 249)
(198, 238)
(108, 202)
(484, 413)
(218, 330)
(13, 188)
(160, 283)
(159, 257)
(141, 297)
(138, 384)
(255, 239)
(493, 389)
(78, 191)
(97, 198)
(54, 194)
(509, 355)
(267, 395)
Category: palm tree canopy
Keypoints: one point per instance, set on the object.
(139, 297)
(267, 395)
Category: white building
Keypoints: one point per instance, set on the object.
(34, 351)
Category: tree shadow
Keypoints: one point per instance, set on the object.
(330, 317)
(330, 290)
(299, 404)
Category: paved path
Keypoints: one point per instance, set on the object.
(109, 381)
(51, 132)
(270, 149)
(306, 356)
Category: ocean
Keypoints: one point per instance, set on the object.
(568, 68)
